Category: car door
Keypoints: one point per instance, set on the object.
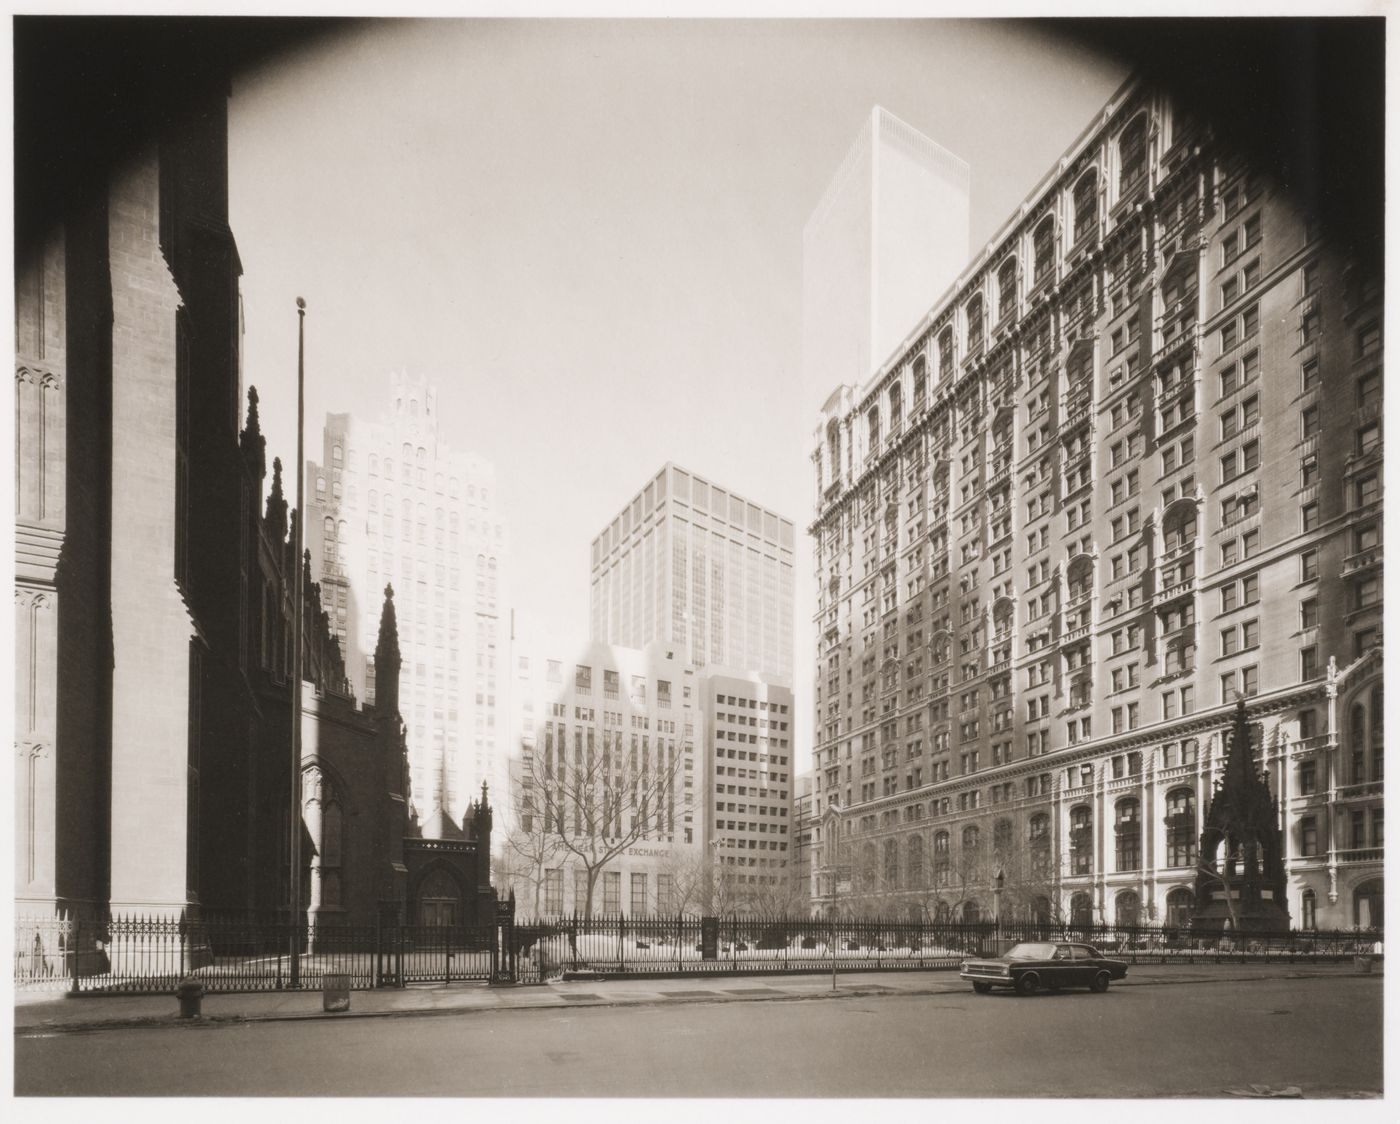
(1085, 965)
(1060, 971)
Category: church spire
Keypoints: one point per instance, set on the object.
(251, 440)
(387, 660)
(277, 504)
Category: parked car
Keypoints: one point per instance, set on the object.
(1052, 965)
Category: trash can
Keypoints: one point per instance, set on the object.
(190, 992)
(335, 992)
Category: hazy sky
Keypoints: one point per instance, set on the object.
(590, 233)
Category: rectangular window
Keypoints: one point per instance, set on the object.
(639, 894)
(612, 891)
(1310, 420)
(1307, 566)
(1310, 517)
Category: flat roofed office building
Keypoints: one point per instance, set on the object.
(690, 563)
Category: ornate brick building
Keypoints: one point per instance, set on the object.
(1128, 468)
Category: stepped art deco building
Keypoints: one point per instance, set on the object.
(1125, 471)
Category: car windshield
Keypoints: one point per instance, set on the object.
(1031, 950)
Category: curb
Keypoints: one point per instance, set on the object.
(156, 1022)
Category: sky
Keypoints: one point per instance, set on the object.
(590, 234)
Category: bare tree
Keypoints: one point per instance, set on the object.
(528, 850)
(598, 800)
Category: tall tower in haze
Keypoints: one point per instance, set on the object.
(392, 502)
(888, 237)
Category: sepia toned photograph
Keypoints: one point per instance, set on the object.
(755, 558)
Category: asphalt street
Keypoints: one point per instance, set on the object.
(1323, 1035)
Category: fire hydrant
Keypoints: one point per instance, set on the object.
(190, 993)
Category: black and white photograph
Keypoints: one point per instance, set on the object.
(598, 562)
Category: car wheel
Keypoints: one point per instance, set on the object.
(1100, 982)
(1028, 984)
(981, 988)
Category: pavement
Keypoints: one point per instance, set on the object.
(40, 1014)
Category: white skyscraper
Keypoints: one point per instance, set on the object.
(392, 503)
(890, 234)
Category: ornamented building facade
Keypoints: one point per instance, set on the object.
(1128, 467)
(604, 773)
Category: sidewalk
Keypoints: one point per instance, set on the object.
(45, 1012)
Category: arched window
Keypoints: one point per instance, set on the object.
(1181, 827)
(373, 465)
(337, 455)
(971, 838)
(920, 379)
(1001, 837)
(915, 862)
(1006, 289)
(833, 450)
(1132, 154)
(891, 864)
(945, 354)
(1127, 909)
(328, 525)
(1081, 910)
(341, 530)
(422, 455)
(413, 407)
(941, 867)
(1040, 910)
(1043, 250)
(373, 500)
(335, 489)
(1357, 744)
(1081, 840)
(1180, 903)
(407, 453)
(970, 913)
(1127, 831)
(872, 424)
(1308, 910)
(388, 468)
(896, 405)
(1086, 205)
(975, 325)
(320, 486)
(1368, 905)
(867, 867)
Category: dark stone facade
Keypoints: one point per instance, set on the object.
(155, 580)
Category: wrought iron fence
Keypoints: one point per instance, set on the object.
(152, 954)
(693, 945)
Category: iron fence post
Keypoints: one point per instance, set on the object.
(74, 943)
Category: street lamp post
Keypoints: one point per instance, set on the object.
(294, 793)
(996, 905)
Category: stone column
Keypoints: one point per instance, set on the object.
(151, 625)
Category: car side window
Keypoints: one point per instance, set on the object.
(1082, 953)
(1061, 953)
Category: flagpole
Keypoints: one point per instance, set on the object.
(294, 817)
